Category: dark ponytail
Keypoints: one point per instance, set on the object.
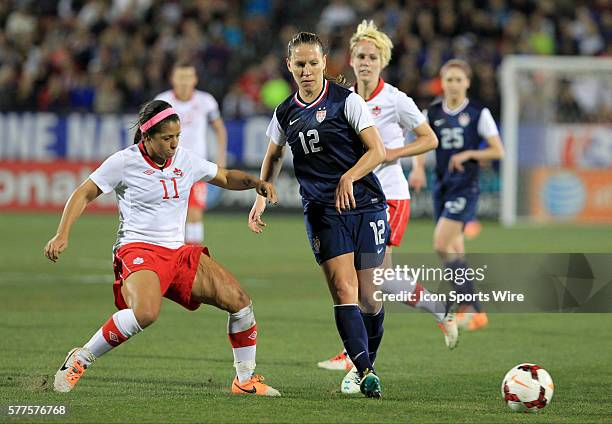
(148, 111)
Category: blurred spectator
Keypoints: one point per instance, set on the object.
(337, 14)
(108, 98)
(112, 55)
(237, 105)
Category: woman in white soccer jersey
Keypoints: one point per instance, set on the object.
(394, 114)
(196, 109)
(152, 180)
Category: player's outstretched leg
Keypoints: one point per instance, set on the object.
(421, 298)
(141, 292)
(372, 311)
(343, 285)
(194, 227)
(215, 286)
(448, 243)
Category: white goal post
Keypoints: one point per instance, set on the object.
(557, 131)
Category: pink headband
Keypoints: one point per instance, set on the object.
(157, 118)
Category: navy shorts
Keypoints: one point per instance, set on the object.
(332, 234)
(458, 205)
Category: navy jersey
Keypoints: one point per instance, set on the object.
(458, 130)
(323, 137)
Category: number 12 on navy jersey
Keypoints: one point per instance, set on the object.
(311, 139)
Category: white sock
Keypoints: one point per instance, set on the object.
(435, 307)
(194, 232)
(118, 328)
(242, 332)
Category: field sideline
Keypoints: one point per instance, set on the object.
(180, 369)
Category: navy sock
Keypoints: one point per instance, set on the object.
(354, 335)
(374, 327)
(459, 266)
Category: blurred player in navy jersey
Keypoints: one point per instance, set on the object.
(395, 115)
(460, 124)
(335, 148)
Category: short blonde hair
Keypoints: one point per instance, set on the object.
(368, 31)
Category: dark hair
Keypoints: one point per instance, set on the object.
(304, 38)
(312, 38)
(148, 111)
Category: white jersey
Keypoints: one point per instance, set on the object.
(152, 200)
(395, 114)
(195, 114)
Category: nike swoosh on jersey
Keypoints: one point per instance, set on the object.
(253, 390)
(438, 122)
(379, 250)
(294, 121)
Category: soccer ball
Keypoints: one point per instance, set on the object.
(527, 388)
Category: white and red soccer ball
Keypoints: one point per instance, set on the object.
(527, 388)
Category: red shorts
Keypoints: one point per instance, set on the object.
(176, 269)
(399, 215)
(197, 195)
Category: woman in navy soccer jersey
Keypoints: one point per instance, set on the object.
(395, 115)
(152, 180)
(460, 125)
(335, 147)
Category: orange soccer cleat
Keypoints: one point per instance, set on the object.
(71, 370)
(340, 362)
(479, 320)
(253, 386)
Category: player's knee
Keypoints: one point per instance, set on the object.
(367, 303)
(345, 291)
(241, 299)
(146, 315)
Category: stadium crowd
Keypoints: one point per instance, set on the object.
(107, 56)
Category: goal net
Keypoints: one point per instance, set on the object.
(557, 130)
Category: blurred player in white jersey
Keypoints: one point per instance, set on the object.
(196, 109)
(152, 180)
(395, 114)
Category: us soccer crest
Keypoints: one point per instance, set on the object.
(320, 115)
(376, 110)
(316, 244)
(464, 119)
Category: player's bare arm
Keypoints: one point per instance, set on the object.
(494, 151)
(425, 141)
(233, 179)
(76, 204)
(417, 179)
(373, 157)
(221, 138)
(271, 166)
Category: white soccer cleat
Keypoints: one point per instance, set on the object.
(71, 370)
(350, 383)
(451, 333)
(340, 362)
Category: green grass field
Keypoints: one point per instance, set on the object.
(180, 369)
